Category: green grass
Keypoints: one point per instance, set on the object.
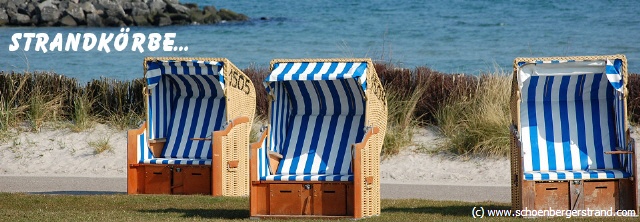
(40, 207)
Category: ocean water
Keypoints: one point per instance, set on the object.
(452, 36)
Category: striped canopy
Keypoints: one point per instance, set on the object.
(572, 67)
(318, 71)
(155, 69)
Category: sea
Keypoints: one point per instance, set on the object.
(451, 36)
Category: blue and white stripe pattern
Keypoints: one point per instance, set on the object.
(186, 101)
(263, 162)
(142, 146)
(613, 74)
(570, 115)
(319, 71)
(314, 121)
(575, 175)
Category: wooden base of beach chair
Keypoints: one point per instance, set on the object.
(173, 179)
(306, 199)
(578, 195)
(227, 176)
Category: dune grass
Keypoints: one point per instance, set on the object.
(471, 111)
(39, 97)
(478, 124)
(401, 120)
(81, 117)
(43, 109)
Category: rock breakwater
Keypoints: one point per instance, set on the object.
(110, 13)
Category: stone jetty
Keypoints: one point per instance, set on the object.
(110, 13)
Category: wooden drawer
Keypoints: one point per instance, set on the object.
(289, 199)
(552, 195)
(177, 179)
(601, 195)
(330, 199)
(326, 199)
(157, 180)
(192, 180)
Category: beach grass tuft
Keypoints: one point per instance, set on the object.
(81, 116)
(43, 108)
(478, 124)
(100, 146)
(10, 112)
(402, 100)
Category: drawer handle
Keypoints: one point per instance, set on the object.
(551, 188)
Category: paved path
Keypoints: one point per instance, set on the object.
(118, 185)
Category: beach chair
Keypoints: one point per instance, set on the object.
(319, 156)
(196, 136)
(571, 148)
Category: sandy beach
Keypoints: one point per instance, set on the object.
(60, 152)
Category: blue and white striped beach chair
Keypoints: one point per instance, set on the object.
(196, 135)
(319, 155)
(571, 147)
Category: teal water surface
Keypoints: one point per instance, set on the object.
(449, 36)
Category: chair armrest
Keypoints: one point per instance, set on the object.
(132, 143)
(253, 156)
(226, 130)
(627, 156)
(619, 152)
(361, 182)
(356, 152)
(367, 135)
(216, 136)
